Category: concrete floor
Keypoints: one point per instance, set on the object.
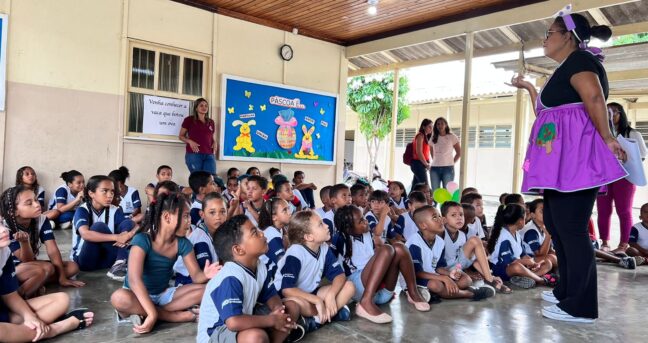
(504, 318)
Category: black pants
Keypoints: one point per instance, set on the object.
(420, 173)
(307, 193)
(566, 216)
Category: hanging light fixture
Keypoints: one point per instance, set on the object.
(372, 10)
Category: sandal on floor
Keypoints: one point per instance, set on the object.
(605, 248)
(523, 282)
(550, 280)
(382, 318)
(77, 313)
(502, 289)
(639, 260)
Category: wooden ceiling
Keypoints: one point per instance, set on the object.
(347, 22)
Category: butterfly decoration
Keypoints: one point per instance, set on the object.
(317, 135)
(250, 107)
(263, 107)
(322, 111)
(230, 110)
(248, 94)
(315, 104)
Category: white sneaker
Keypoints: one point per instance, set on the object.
(66, 225)
(554, 312)
(548, 296)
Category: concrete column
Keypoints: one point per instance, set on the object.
(465, 112)
(518, 127)
(394, 124)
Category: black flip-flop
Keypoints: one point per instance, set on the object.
(77, 313)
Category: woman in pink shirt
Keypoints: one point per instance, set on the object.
(198, 133)
(446, 151)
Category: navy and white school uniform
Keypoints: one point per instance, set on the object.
(234, 291)
(40, 196)
(227, 196)
(130, 202)
(454, 248)
(63, 195)
(507, 249)
(401, 204)
(373, 222)
(276, 250)
(8, 281)
(476, 229)
(303, 268)
(426, 257)
(251, 217)
(98, 255)
(639, 235)
(45, 234)
(327, 218)
(203, 248)
(194, 212)
(405, 226)
(532, 238)
(300, 196)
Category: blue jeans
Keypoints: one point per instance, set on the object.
(197, 161)
(440, 175)
(420, 173)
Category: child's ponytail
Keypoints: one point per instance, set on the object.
(267, 211)
(506, 215)
(343, 220)
(170, 202)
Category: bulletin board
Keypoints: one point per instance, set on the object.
(263, 121)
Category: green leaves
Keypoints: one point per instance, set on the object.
(372, 98)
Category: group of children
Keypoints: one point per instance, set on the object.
(253, 259)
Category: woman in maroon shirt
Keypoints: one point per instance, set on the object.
(198, 133)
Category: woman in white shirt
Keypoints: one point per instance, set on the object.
(620, 192)
(446, 151)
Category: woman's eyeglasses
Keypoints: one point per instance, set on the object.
(548, 33)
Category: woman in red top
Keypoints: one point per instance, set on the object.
(198, 133)
(421, 159)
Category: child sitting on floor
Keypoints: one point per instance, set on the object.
(146, 295)
(340, 196)
(508, 259)
(405, 227)
(212, 215)
(228, 304)
(273, 219)
(398, 196)
(427, 249)
(535, 238)
(326, 201)
(639, 237)
(479, 224)
(256, 189)
(378, 215)
(201, 183)
(464, 252)
(36, 318)
(67, 198)
(130, 200)
(359, 197)
(22, 213)
(302, 268)
(373, 266)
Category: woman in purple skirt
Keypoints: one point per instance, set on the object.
(570, 156)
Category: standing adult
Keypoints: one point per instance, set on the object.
(198, 133)
(421, 159)
(620, 192)
(571, 154)
(446, 151)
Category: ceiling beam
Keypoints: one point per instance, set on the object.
(388, 55)
(510, 34)
(445, 47)
(518, 15)
(625, 75)
(599, 17)
(629, 29)
(445, 58)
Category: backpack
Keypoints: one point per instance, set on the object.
(408, 154)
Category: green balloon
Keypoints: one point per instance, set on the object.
(456, 196)
(441, 195)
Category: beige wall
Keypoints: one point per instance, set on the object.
(67, 74)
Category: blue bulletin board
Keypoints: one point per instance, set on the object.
(262, 121)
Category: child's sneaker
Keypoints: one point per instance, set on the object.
(297, 333)
(628, 262)
(425, 293)
(639, 260)
(523, 282)
(481, 293)
(308, 323)
(66, 225)
(343, 315)
(118, 271)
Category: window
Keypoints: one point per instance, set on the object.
(404, 137)
(497, 136)
(163, 72)
(642, 127)
(472, 135)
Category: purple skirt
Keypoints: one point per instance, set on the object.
(567, 154)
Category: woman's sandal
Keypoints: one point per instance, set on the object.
(421, 306)
(523, 282)
(502, 289)
(550, 280)
(382, 318)
(77, 313)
